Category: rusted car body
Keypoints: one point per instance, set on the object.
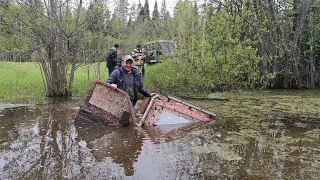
(106, 105)
(164, 110)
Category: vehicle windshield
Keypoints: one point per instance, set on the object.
(163, 46)
(167, 46)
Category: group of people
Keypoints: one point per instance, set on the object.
(127, 75)
(114, 58)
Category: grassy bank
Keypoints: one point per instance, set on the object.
(22, 82)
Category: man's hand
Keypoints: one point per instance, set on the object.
(153, 94)
(114, 86)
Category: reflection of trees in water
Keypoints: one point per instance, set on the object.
(44, 144)
(9, 120)
(274, 152)
(17, 135)
(40, 144)
(121, 143)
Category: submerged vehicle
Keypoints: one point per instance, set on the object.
(156, 50)
(108, 106)
(166, 110)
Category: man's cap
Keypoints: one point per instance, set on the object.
(138, 46)
(127, 57)
(116, 45)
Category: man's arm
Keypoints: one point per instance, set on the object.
(112, 79)
(141, 89)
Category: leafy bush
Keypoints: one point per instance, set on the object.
(238, 68)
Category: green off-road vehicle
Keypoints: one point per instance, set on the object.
(160, 49)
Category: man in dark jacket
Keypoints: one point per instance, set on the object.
(112, 58)
(128, 79)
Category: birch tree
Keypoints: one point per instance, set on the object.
(56, 30)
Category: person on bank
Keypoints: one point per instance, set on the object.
(128, 79)
(139, 59)
(112, 58)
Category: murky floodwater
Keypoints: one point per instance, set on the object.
(265, 136)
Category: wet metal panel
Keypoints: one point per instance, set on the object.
(163, 110)
(106, 106)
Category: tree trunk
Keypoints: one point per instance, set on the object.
(53, 43)
(292, 48)
(57, 84)
(296, 50)
(75, 48)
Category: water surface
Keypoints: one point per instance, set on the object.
(258, 136)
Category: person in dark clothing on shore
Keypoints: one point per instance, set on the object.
(128, 79)
(112, 58)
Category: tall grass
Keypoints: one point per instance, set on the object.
(22, 82)
(85, 75)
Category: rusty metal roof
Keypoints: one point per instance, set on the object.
(106, 105)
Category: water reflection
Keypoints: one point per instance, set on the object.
(33, 141)
(121, 143)
(42, 142)
(168, 133)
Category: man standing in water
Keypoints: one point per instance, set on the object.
(128, 79)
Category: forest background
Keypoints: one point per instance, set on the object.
(223, 44)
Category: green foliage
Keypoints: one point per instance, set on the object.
(155, 13)
(96, 17)
(145, 11)
(219, 45)
(188, 30)
(14, 44)
(181, 78)
(236, 60)
(165, 77)
(211, 58)
(312, 41)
